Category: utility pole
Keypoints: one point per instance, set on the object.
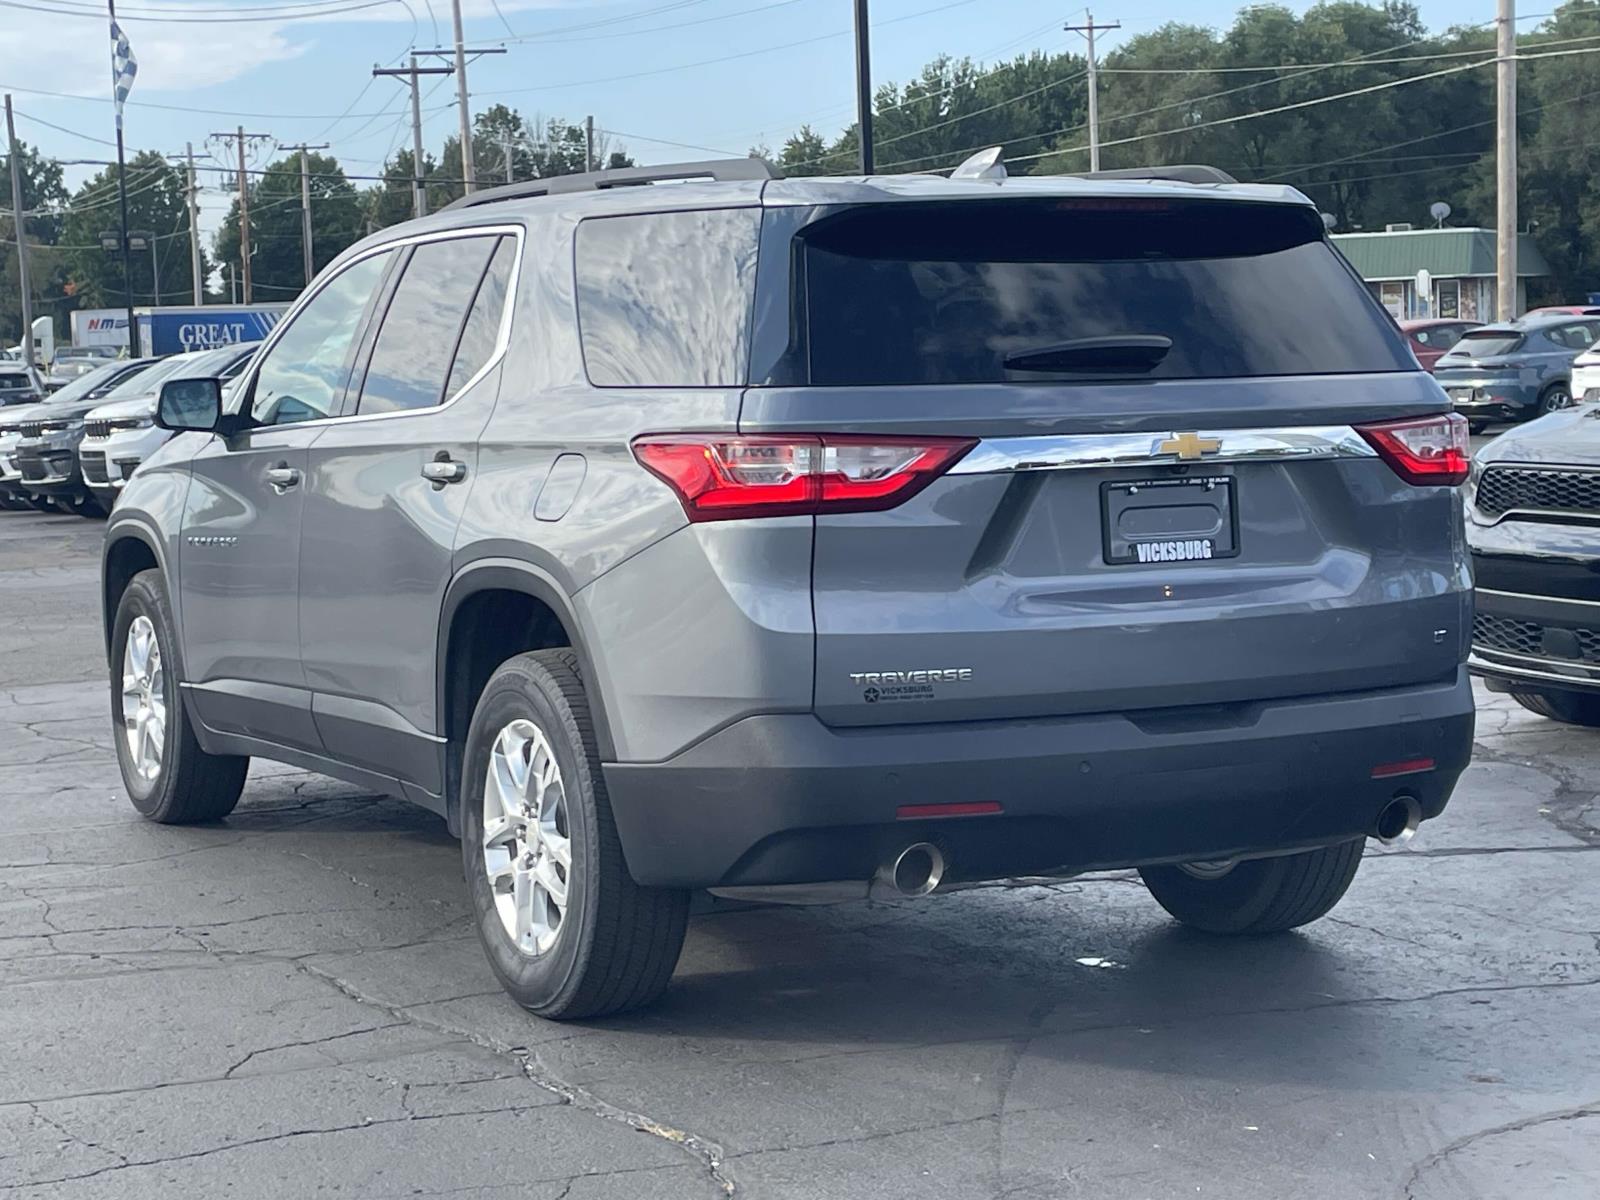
(469, 170)
(505, 150)
(864, 86)
(419, 202)
(1506, 161)
(1089, 29)
(20, 226)
(305, 205)
(155, 271)
(194, 229)
(588, 144)
(244, 200)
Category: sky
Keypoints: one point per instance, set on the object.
(717, 76)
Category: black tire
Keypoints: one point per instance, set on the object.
(190, 785)
(87, 506)
(1575, 708)
(1476, 427)
(1554, 398)
(1262, 895)
(41, 504)
(617, 943)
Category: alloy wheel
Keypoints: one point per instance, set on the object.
(527, 847)
(144, 700)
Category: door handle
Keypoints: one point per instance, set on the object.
(282, 477)
(443, 470)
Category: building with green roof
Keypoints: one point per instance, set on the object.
(1459, 261)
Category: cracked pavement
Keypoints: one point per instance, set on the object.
(292, 1002)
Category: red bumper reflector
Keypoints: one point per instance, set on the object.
(1410, 766)
(970, 808)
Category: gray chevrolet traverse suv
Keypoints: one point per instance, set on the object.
(758, 534)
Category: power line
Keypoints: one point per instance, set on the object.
(189, 108)
(352, 6)
(707, 62)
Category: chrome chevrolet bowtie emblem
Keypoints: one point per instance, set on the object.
(1188, 445)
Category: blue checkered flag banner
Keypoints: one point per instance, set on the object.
(123, 68)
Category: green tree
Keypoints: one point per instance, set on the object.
(277, 264)
(156, 205)
(43, 193)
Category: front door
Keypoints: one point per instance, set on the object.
(384, 495)
(240, 580)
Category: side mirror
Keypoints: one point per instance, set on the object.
(190, 404)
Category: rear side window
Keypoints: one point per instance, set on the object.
(417, 342)
(1572, 337)
(1076, 288)
(481, 333)
(664, 298)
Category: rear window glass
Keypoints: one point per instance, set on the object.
(664, 298)
(1486, 343)
(1021, 290)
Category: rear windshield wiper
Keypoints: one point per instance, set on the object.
(1118, 352)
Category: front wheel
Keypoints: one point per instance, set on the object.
(1477, 427)
(1554, 398)
(566, 929)
(167, 775)
(1575, 708)
(1261, 895)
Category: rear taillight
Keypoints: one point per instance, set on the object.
(723, 477)
(1423, 450)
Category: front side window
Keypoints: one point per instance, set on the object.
(417, 341)
(303, 375)
(664, 299)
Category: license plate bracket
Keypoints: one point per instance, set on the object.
(1176, 519)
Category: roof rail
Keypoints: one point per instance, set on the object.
(719, 169)
(1183, 173)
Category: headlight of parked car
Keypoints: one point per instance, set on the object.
(134, 423)
(59, 426)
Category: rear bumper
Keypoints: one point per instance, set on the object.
(785, 799)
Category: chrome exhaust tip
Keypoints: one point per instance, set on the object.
(1398, 821)
(915, 871)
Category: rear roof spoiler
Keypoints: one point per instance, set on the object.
(989, 164)
(720, 170)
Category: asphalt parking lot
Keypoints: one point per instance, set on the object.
(292, 1003)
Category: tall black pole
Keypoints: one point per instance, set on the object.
(864, 86)
(122, 205)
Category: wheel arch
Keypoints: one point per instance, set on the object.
(129, 549)
(491, 580)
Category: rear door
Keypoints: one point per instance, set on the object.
(384, 494)
(1164, 503)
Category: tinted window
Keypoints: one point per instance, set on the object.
(664, 298)
(303, 376)
(949, 293)
(411, 358)
(1573, 337)
(1487, 343)
(1438, 337)
(482, 330)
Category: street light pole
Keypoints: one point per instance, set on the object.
(864, 86)
(19, 225)
(1506, 161)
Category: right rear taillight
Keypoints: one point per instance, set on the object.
(724, 477)
(1423, 450)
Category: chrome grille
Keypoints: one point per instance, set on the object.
(1491, 633)
(1505, 488)
(32, 429)
(97, 429)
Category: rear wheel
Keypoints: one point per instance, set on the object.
(1554, 398)
(1476, 427)
(1575, 708)
(168, 776)
(41, 504)
(1262, 895)
(567, 930)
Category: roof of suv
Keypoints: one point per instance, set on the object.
(751, 183)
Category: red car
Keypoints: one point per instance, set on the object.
(1565, 310)
(1431, 337)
